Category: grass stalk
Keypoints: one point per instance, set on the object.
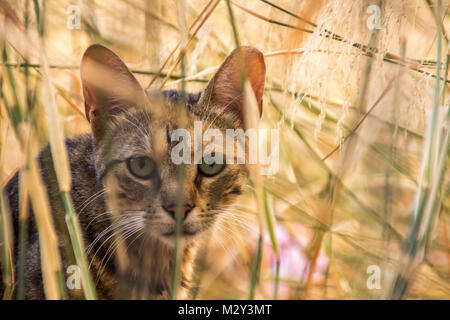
(426, 208)
(6, 236)
(178, 250)
(63, 173)
(271, 20)
(50, 258)
(255, 269)
(360, 121)
(202, 13)
(6, 249)
(271, 225)
(367, 210)
(252, 121)
(23, 188)
(188, 42)
(75, 232)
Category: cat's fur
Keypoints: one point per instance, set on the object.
(128, 121)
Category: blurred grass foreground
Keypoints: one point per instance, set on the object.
(360, 205)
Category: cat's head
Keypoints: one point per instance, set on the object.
(134, 143)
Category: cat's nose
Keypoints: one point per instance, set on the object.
(171, 209)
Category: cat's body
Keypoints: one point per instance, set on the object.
(125, 165)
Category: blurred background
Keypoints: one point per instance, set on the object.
(351, 85)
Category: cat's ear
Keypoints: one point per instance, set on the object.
(109, 87)
(225, 89)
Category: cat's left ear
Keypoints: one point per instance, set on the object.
(225, 89)
(109, 88)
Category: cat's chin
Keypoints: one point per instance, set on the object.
(185, 238)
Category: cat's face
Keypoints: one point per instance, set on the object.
(135, 141)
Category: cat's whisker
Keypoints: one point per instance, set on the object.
(116, 231)
(98, 216)
(122, 216)
(228, 219)
(124, 239)
(239, 224)
(98, 237)
(226, 238)
(230, 231)
(90, 200)
(222, 241)
(115, 225)
(117, 241)
(103, 214)
(146, 238)
(93, 195)
(113, 247)
(234, 214)
(231, 217)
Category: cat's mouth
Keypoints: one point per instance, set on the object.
(188, 230)
(184, 233)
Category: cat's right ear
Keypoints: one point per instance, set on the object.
(109, 88)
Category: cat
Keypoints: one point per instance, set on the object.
(124, 164)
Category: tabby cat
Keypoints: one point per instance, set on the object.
(125, 165)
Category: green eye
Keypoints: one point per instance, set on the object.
(141, 167)
(211, 169)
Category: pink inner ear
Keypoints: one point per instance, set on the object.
(227, 81)
(256, 72)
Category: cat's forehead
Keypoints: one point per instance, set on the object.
(140, 130)
(170, 110)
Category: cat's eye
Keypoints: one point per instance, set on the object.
(141, 167)
(210, 168)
